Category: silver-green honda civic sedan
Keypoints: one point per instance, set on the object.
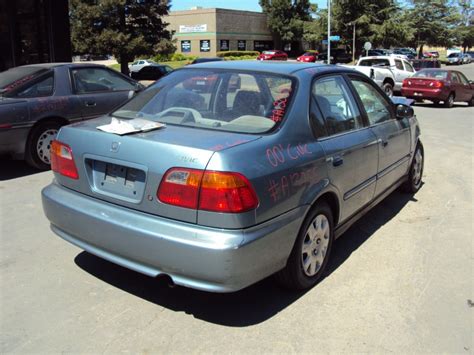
(221, 174)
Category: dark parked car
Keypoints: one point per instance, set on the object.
(238, 185)
(338, 55)
(420, 64)
(36, 100)
(206, 60)
(273, 55)
(437, 85)
(151, 72)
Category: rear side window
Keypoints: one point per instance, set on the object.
(87, 80)
(44, 87)
(408, 67)
(376, 107)
(336, 105)
(375, 62)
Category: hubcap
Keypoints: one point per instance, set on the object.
(388, 91)
(417, 167)
(315, 245)
(44, 145)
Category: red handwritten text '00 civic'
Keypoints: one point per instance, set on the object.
(279, 154)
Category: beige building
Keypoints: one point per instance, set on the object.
(204, 32)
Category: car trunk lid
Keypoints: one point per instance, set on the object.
(127, 170)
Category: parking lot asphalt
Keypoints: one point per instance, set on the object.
(400, 280)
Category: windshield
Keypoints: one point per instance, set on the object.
(269, 52)
(454, 55)
(309, 54)
(245, 102)
(12, 78)
(435, 74)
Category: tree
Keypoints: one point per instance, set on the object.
(125, 28)
(315, 31)
(285, 18)
(434, 22)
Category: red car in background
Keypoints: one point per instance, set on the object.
(273, 55)
(437, 85)
(308, 57)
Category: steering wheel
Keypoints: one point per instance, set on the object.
(188, 114)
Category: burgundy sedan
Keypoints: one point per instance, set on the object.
(438, 85)
(273, 55)
(308, 57)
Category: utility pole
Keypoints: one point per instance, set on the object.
(329, 31)
(353, 42)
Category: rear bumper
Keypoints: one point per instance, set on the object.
(210, 259)
(429, 94)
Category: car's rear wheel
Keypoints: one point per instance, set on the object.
(310, 254)
(388, 89)
(471, 102)
(414, 182)
(449, 102)
(39, 144)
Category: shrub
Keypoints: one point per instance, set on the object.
(238, 54)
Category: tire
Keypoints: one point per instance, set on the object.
(471, 102)
(311, 251)
(449, 102)
(39, 143)
(388, 89)
(415, 176)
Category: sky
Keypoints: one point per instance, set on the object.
(250, 5)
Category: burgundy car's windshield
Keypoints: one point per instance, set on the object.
(309, 54)
(435, 74)
(246, 102)
(269, 52)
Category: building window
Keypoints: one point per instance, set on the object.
(263, 45)
(241, 45)
(205, 45)
(185, 46)
(224, 45)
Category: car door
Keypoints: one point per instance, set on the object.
(463, 92)
(350, 146)
(100, 90)
(399, 73)
(409, 70)
(467, 87)
(393, 135)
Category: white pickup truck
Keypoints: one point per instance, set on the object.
(387, 71)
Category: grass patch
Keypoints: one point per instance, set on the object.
(174, 64)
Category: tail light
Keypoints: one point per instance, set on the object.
(215, 191)
(62, 160)
(437, 84)
(406, 82)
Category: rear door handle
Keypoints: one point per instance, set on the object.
(90, 103)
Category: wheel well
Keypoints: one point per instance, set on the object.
(60, 120)
(390, 81)
(331, 199)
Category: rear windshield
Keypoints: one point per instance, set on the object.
(245, 102)
(436, 74)
(269, 52)
(15, 77)
(454, 55)
(375, 62)
(309, 53)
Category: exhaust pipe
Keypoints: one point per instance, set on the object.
(167, 279)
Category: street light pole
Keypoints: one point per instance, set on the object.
(329, 31)
(353, 41)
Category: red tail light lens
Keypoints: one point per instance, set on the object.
(207, 190)
(180, 187)
(406, 82)
(62, 160)
(437, 84)
(226, 192)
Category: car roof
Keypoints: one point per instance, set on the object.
(262, 66)
(55, 65)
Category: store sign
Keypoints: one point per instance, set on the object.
(241, 45)
(192, 28)
(205, 45)
(185, 46)
(224, 45)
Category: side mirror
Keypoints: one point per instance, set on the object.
(403, 111)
